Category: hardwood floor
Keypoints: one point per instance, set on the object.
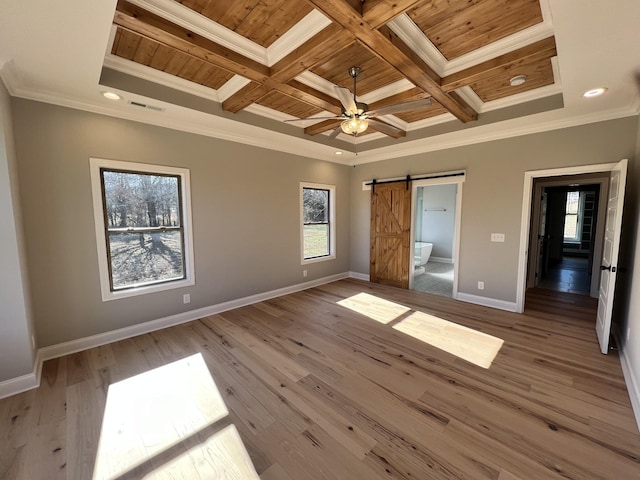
(316, 390)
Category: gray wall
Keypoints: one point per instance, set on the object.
(438, 226)
(16, 355)
(245, 203)
(492, 193)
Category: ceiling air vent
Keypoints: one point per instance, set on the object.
(144, 105)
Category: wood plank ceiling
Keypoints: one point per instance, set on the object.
(371, 34)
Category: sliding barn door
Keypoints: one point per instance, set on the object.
(390, 234)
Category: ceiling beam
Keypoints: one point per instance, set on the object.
(383, 127)
(380, 12)
(250, 93)
(324, 44)
(322, 127)
(137, 20)
(303, 92)
(531, 53)
(386, 47)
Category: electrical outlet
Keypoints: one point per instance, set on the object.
(304, 273)
(480, 285)
(186, 298)
(497, 237)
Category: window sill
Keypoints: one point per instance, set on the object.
(135, 292)
(318, 259)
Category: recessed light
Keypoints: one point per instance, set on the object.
(111, 95)
(517, 80)
(338, 152)
(594, 92)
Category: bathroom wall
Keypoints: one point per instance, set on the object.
(438, 219)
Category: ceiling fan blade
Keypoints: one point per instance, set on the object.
(335, 133)
(345, 97)
(402, 107)
(312, 118)
(387, 129)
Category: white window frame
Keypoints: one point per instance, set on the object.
(579, 218)
(98, 211)
(332, 223)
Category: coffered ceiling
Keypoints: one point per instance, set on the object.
(249, 69)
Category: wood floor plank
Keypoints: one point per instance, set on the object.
(317, 390)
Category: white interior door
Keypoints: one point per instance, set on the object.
(609, 265)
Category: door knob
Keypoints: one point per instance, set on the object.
(612, 269)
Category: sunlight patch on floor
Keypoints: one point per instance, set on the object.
(376, 308)
(151, 420)
(473, 346)
(222, 455)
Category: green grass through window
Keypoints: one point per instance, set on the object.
(316, 241)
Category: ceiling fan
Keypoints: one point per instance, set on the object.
(356, 116)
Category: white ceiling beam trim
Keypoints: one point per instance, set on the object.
(183, 16)
(386, 91)
(317, 82)
(482, 107)
(312, 24)
(417, 41)
(232, 86)
(175, 12)
(157, 76)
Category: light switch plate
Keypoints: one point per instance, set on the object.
(497, 237)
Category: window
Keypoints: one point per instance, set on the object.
(573, 216)
(142, 216)
(318, 230)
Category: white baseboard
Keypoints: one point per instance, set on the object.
(440, 259)
(629, 379)
(487, 302)
(32, 380)
(20, 384)
(359, 276)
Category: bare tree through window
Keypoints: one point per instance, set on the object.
(143, 228)
(315, 202)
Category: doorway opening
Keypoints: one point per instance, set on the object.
(434, 235)
(606, 261)
(567, 233)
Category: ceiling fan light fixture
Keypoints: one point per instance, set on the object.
(517, 80)
(354, 125)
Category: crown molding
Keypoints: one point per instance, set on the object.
(225, 129)
(538, 123)
(190, 121)
(10, 76)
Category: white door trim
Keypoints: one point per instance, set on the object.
(529, 176)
